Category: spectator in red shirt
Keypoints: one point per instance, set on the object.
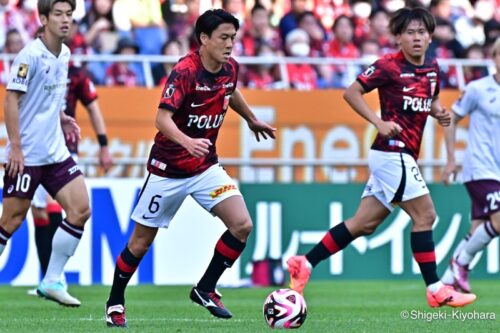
(379, 31)
(259, 31)
(342, 46)
(310, 24)
(120, 73)
(300, 76)
(262, 76)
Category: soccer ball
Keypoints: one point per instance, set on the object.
(285, 308)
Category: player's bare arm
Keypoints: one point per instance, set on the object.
(70, 127)
(15, 160)
(354, 97)
(450, 170)
(198, 147)
(238, 104)
(97, 120)
(439, 112)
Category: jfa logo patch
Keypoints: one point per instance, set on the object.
(22, 72)
(169, 91)
(369, 71)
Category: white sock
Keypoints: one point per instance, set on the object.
(64, 244)
(4, 237)
(448, 277)
(448, 274)
(461, 245)
(433, 288)
(481, 237)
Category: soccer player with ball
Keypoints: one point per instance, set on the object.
(408, 87)
(183, 161)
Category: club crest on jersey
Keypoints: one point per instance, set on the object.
(223, 189)
(22, 72)
(369, 71)
(169, 91)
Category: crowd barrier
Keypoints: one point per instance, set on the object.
(319, 137)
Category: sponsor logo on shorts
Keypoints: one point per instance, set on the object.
(148, 217)
(223, 189)
(73, 169)
(11, 188)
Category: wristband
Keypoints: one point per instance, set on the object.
(102, 139)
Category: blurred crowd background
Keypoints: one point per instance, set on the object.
(346, 29)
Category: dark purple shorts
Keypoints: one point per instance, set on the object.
(52, 176)
(485, 197)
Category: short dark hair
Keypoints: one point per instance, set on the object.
(211, 19)
(45, 6)
(257, 7)
(341, 17)
(402, 18)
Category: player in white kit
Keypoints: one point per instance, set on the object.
(481, 169)
(36, 149)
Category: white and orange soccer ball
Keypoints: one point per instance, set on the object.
(285, 308)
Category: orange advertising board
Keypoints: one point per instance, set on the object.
(310, 125)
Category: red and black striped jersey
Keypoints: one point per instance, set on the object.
(199, 100)
(405, 92)
(80, 88)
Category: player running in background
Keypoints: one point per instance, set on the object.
(183, 161)
(47, 213)
(481, 169)
(36, 149)
(408, 86)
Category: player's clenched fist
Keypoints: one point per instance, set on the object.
(389, 129)
(443, 117)
(198, 147)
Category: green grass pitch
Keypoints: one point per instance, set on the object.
(334, 306)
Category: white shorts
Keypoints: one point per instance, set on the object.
(40, 196)
(394, 178)
(161, 197)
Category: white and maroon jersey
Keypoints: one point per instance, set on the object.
(481, 101)
(199, 100)
(42, 77)
(405, 92)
